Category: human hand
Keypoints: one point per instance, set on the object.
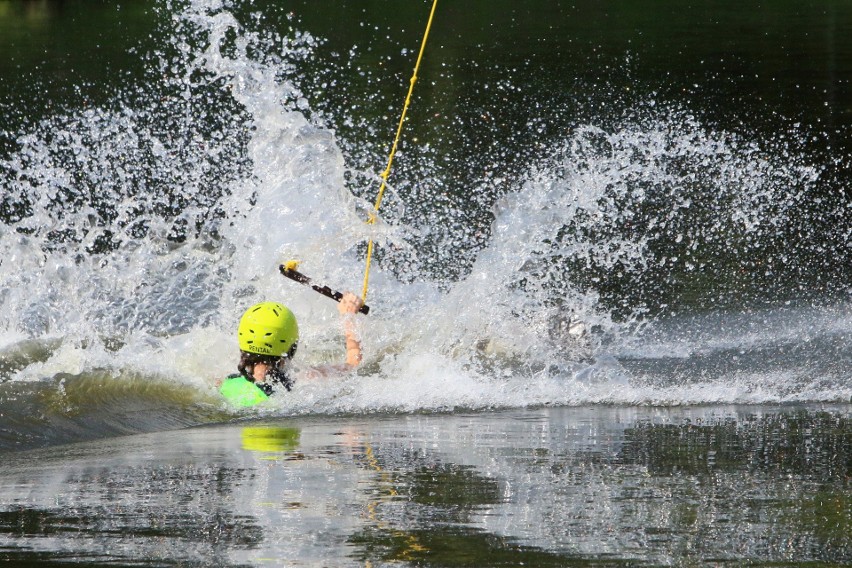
(349, 304)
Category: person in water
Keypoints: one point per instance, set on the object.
(268, 337)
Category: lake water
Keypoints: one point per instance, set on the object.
(545, 487)
(676, 179)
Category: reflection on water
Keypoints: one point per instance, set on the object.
(545, 487)
(30, 13)
(270, 439)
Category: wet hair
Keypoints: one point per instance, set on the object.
(275, 374)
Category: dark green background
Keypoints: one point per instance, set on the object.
(788, 57)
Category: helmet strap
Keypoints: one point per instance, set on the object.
(275, 372)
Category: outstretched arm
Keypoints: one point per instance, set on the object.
(348, 307)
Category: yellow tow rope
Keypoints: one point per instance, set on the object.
(386, 173)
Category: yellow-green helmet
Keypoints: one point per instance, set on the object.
(268, 328)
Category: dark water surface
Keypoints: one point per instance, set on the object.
(548, 487)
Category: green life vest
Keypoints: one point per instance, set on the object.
(241, 392)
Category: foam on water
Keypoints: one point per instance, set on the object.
(135, 235)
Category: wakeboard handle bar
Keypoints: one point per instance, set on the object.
(324, 290)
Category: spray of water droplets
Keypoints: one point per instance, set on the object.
(135, 233)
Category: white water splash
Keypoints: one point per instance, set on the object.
(167, 307)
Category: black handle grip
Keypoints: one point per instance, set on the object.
(324, 290)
